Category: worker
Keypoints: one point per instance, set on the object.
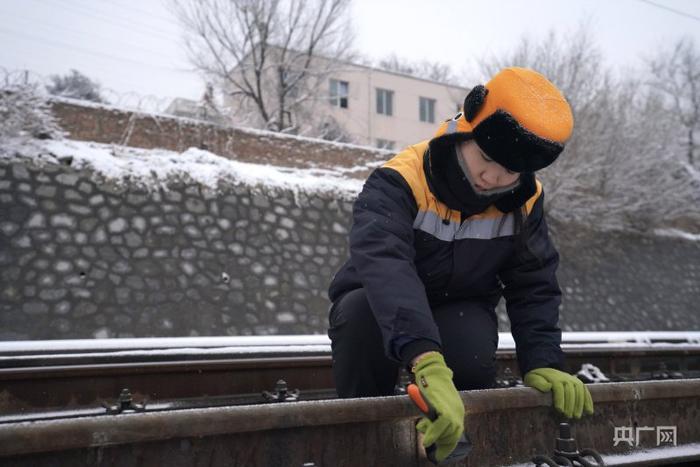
(440, 233)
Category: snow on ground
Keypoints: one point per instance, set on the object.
(694, 173)
(213, 352)
(154, 168)
(645, 456)
(320, 342)
(165, 342)
(676, 233)
(649, 455)
(185, 351)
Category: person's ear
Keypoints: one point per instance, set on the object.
(474, 100)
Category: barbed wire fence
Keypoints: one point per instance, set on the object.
(210, 109)
(132, 101)
(26, 97)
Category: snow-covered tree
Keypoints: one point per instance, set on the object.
(330, 130)
(426, 69)
(623, 167)
(76, 86)
(270, 57)
(24, 111)
(676, 73)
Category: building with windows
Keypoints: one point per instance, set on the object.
(385, 109)
(346, 102)
(204, 109)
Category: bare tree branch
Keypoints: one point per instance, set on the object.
(676, 74)
(624, 165)
(434, 71)
(266, 55)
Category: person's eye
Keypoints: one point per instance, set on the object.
(486, 158)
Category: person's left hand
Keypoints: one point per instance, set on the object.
(571, 396)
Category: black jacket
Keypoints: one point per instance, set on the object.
(411, 252)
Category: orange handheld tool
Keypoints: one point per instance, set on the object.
(464, 445)
(421, 402)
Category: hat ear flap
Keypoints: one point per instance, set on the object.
(474, 101)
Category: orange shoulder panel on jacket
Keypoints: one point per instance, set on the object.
(533, 199)
(409, 163)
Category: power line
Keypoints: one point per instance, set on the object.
(130, 20)
(130, 5)
(673, 10)
(152, 32)
(56, 43)
(56, 27)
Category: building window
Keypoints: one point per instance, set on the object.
(426, 109)
(385, 144)
(385, 102)
(288, 77)
(339, 93)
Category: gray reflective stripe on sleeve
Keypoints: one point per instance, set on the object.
(430, 222)
(451, 127)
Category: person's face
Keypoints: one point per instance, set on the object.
(486, 174)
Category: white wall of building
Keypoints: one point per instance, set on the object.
(360, 120)
(403, 127)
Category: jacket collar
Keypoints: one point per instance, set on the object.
(445, 181)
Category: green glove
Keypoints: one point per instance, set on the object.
(435, 382)
(571, 396)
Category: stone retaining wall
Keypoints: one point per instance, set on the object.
(82, 257)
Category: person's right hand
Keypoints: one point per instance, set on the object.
(434, 379)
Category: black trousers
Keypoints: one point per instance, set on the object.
(468, 330)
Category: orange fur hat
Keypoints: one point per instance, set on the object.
(519, 119)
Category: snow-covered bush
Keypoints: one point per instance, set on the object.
(75, 85)
(24, 111)
(627, 165)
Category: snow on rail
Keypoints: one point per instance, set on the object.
(318, 342)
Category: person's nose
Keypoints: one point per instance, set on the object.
(491, 176)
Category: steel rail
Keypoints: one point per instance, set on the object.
(89, 432)
(68, 384)
(174, 358)
(181, 366)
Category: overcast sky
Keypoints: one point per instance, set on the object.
(136, 47)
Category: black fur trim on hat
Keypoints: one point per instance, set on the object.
(504, 140)
(525, 190)
(474, 101)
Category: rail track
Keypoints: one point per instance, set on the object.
(216, 401)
